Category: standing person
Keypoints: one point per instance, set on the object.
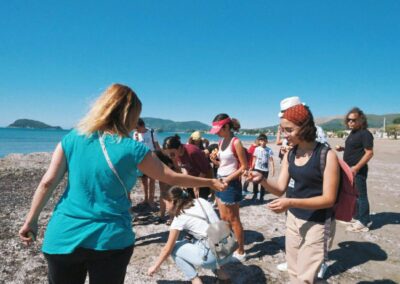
(232, 163)
(190, 158)
(196, 139)
(189, 254)
(149, 138)
(358, 151)
(90, 230)
(262, 162)
(250, 154)
(310, 197)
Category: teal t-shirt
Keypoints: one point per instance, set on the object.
(93, 212)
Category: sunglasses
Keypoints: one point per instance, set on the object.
(351, 120)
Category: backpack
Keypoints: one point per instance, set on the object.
(345, 205)
(220, 238)
(249, 156)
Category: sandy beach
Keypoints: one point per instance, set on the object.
(372, 257)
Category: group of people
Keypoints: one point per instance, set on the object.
(90, 231)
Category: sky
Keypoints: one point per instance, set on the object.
(191, 60)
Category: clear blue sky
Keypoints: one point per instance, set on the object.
(190, 60)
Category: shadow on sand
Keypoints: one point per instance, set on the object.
(351, 254)
(239, 273)
(384, 218)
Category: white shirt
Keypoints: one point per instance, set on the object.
(145, 138)
(194, 225)
(228, 162)
(262, 156)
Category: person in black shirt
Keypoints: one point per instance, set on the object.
(358, 151)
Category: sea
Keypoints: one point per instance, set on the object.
(23, 140)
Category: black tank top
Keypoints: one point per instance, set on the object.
(307, 183)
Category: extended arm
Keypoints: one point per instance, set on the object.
(50, 180)
(165, 252)
(155, 169)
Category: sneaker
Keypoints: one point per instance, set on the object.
(357, 227)
(282, 266)
(352, 221)
(239, 257)
(322, 270)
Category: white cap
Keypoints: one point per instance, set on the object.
(288, 103)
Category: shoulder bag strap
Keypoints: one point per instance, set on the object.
(110, 164)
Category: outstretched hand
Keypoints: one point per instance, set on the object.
(152, 270)
(253, 176)
(219, 184)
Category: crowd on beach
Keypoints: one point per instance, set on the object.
(201, 188)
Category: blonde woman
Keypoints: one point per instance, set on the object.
(90, 229)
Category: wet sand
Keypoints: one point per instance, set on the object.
(354, 257)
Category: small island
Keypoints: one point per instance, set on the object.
(32, 124)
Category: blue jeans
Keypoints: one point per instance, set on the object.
(189, 255)
(362, 200)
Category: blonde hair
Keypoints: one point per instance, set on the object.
(117, 110)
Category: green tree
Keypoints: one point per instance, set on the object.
(396, 120)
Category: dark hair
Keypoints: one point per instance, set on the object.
(212, 147)
(234, 124)
(172, 142)
(262, 136)
(141, 122)
(361, 117)
(180, 199)
(308, 131)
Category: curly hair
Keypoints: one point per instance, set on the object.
(362, 118)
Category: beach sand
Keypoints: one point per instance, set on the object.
(354, 257)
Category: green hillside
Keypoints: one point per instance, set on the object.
(374, 121)
(173, 126)
(29, 123)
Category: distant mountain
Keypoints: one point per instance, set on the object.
(29, 123)
(174, 126)
(336, 123)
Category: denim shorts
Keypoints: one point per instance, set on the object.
(232, 194)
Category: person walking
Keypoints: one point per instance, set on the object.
(358, 151)
(148, 137)
(90, 230)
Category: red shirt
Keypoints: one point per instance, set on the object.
(194, 160)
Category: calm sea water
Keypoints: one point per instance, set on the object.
(18, 140)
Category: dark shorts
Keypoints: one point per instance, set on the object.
(232, 194)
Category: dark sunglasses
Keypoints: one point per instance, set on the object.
(351, 120)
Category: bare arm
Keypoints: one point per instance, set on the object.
(50, 180)
(154, 168)
(329, 191)
(272, 165)
(242, 159)
(369, 153)
(165, 252)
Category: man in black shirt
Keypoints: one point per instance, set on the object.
(358, 151)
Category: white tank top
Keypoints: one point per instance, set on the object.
(228, 163)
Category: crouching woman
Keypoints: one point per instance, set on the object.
(189, 254)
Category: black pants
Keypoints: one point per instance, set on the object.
(103, 266)
(255, 185)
